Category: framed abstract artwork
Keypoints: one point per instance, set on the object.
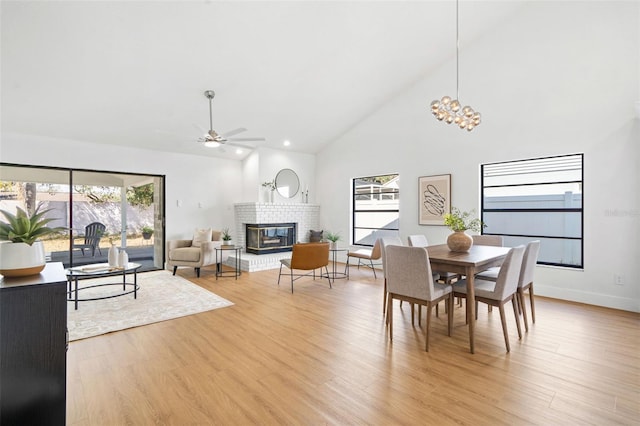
(434, 199)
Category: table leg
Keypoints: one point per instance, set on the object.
(471, 306)
(124, 280)
(135, 284)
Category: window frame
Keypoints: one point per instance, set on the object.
(531, 236)
(355, 211)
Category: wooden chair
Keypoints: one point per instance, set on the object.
(365, 254)
(409, 278)
(93, 232)
(488, 240)
(307, 257)
(501, 291)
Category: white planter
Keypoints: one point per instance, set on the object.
(20, 259)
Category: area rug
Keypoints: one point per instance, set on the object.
(161, 297)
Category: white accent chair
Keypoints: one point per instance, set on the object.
(195, 253)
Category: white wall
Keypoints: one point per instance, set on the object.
(558, 78)
(207, 187)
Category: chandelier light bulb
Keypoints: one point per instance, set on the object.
(446, 100)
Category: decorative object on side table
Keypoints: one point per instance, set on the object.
(23, 253)
(333, 238)
(226, 238)
(459, 222)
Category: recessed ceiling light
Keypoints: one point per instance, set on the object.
(238, 151)
(286, 143)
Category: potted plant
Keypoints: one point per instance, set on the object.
(333, 237)
(459, 222)
(22, 253)
(147, 232)
(226, 237)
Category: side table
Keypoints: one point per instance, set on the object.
(333, 274)
(236, 271)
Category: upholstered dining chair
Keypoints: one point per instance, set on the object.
(420, 240)
(409, 278)
(387, 241)
(93, 232)
(488, 240)
(307, 257)
(499, 292)
(365, 254)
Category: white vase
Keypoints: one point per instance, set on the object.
(112, 256)
(21, 259)
(123, 259)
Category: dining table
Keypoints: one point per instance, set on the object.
(479, 258)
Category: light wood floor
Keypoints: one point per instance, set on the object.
(322, 356)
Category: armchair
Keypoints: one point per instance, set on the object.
(194, 253)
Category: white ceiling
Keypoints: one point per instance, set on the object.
(133, 73)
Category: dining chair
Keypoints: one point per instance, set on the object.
(307, 257)
(409, 278)
(420, 240)
(488, 240)
(499, 292)
(525, 281)
(387, 241)
(365, 254)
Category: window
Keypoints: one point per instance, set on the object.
(122, 205)
(534, 199)
(376, 208)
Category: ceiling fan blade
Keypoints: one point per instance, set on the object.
(247, 139)
(233, 132)
(240, 145)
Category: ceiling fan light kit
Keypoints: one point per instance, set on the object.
(449, 110)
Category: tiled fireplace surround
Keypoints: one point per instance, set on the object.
(307, 216)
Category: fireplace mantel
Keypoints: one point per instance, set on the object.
(307, 217)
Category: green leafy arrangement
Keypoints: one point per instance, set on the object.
(147, 229)
(226, 236)
(461, 221)
(22, 228)
(333, 237)
(270, 184)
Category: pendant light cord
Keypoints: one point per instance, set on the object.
(457, 55)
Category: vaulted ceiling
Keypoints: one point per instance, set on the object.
(134, 73)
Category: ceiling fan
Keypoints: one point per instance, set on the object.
(213, 139)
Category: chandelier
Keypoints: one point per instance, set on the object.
(449, 110)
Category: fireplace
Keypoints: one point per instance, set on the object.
(266, 238)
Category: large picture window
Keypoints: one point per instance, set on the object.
(537, 199)
(376, 208)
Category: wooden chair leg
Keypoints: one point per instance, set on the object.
(515, 313)
(533, 307)
(504, 327)
(450, 314)
(413, 308)
(523, 309)
(429, 307)
(390, 316)
(384, 296)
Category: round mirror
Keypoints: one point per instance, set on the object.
(287, 183)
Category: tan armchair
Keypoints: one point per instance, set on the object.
(194, 253)
(307, 257)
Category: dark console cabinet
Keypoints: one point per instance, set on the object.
(33, 348)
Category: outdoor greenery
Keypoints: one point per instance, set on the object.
(461, 221)
(147, 229)
(24, 228)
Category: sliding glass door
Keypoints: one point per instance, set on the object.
(97, 208)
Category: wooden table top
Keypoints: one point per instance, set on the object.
(476, 256)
